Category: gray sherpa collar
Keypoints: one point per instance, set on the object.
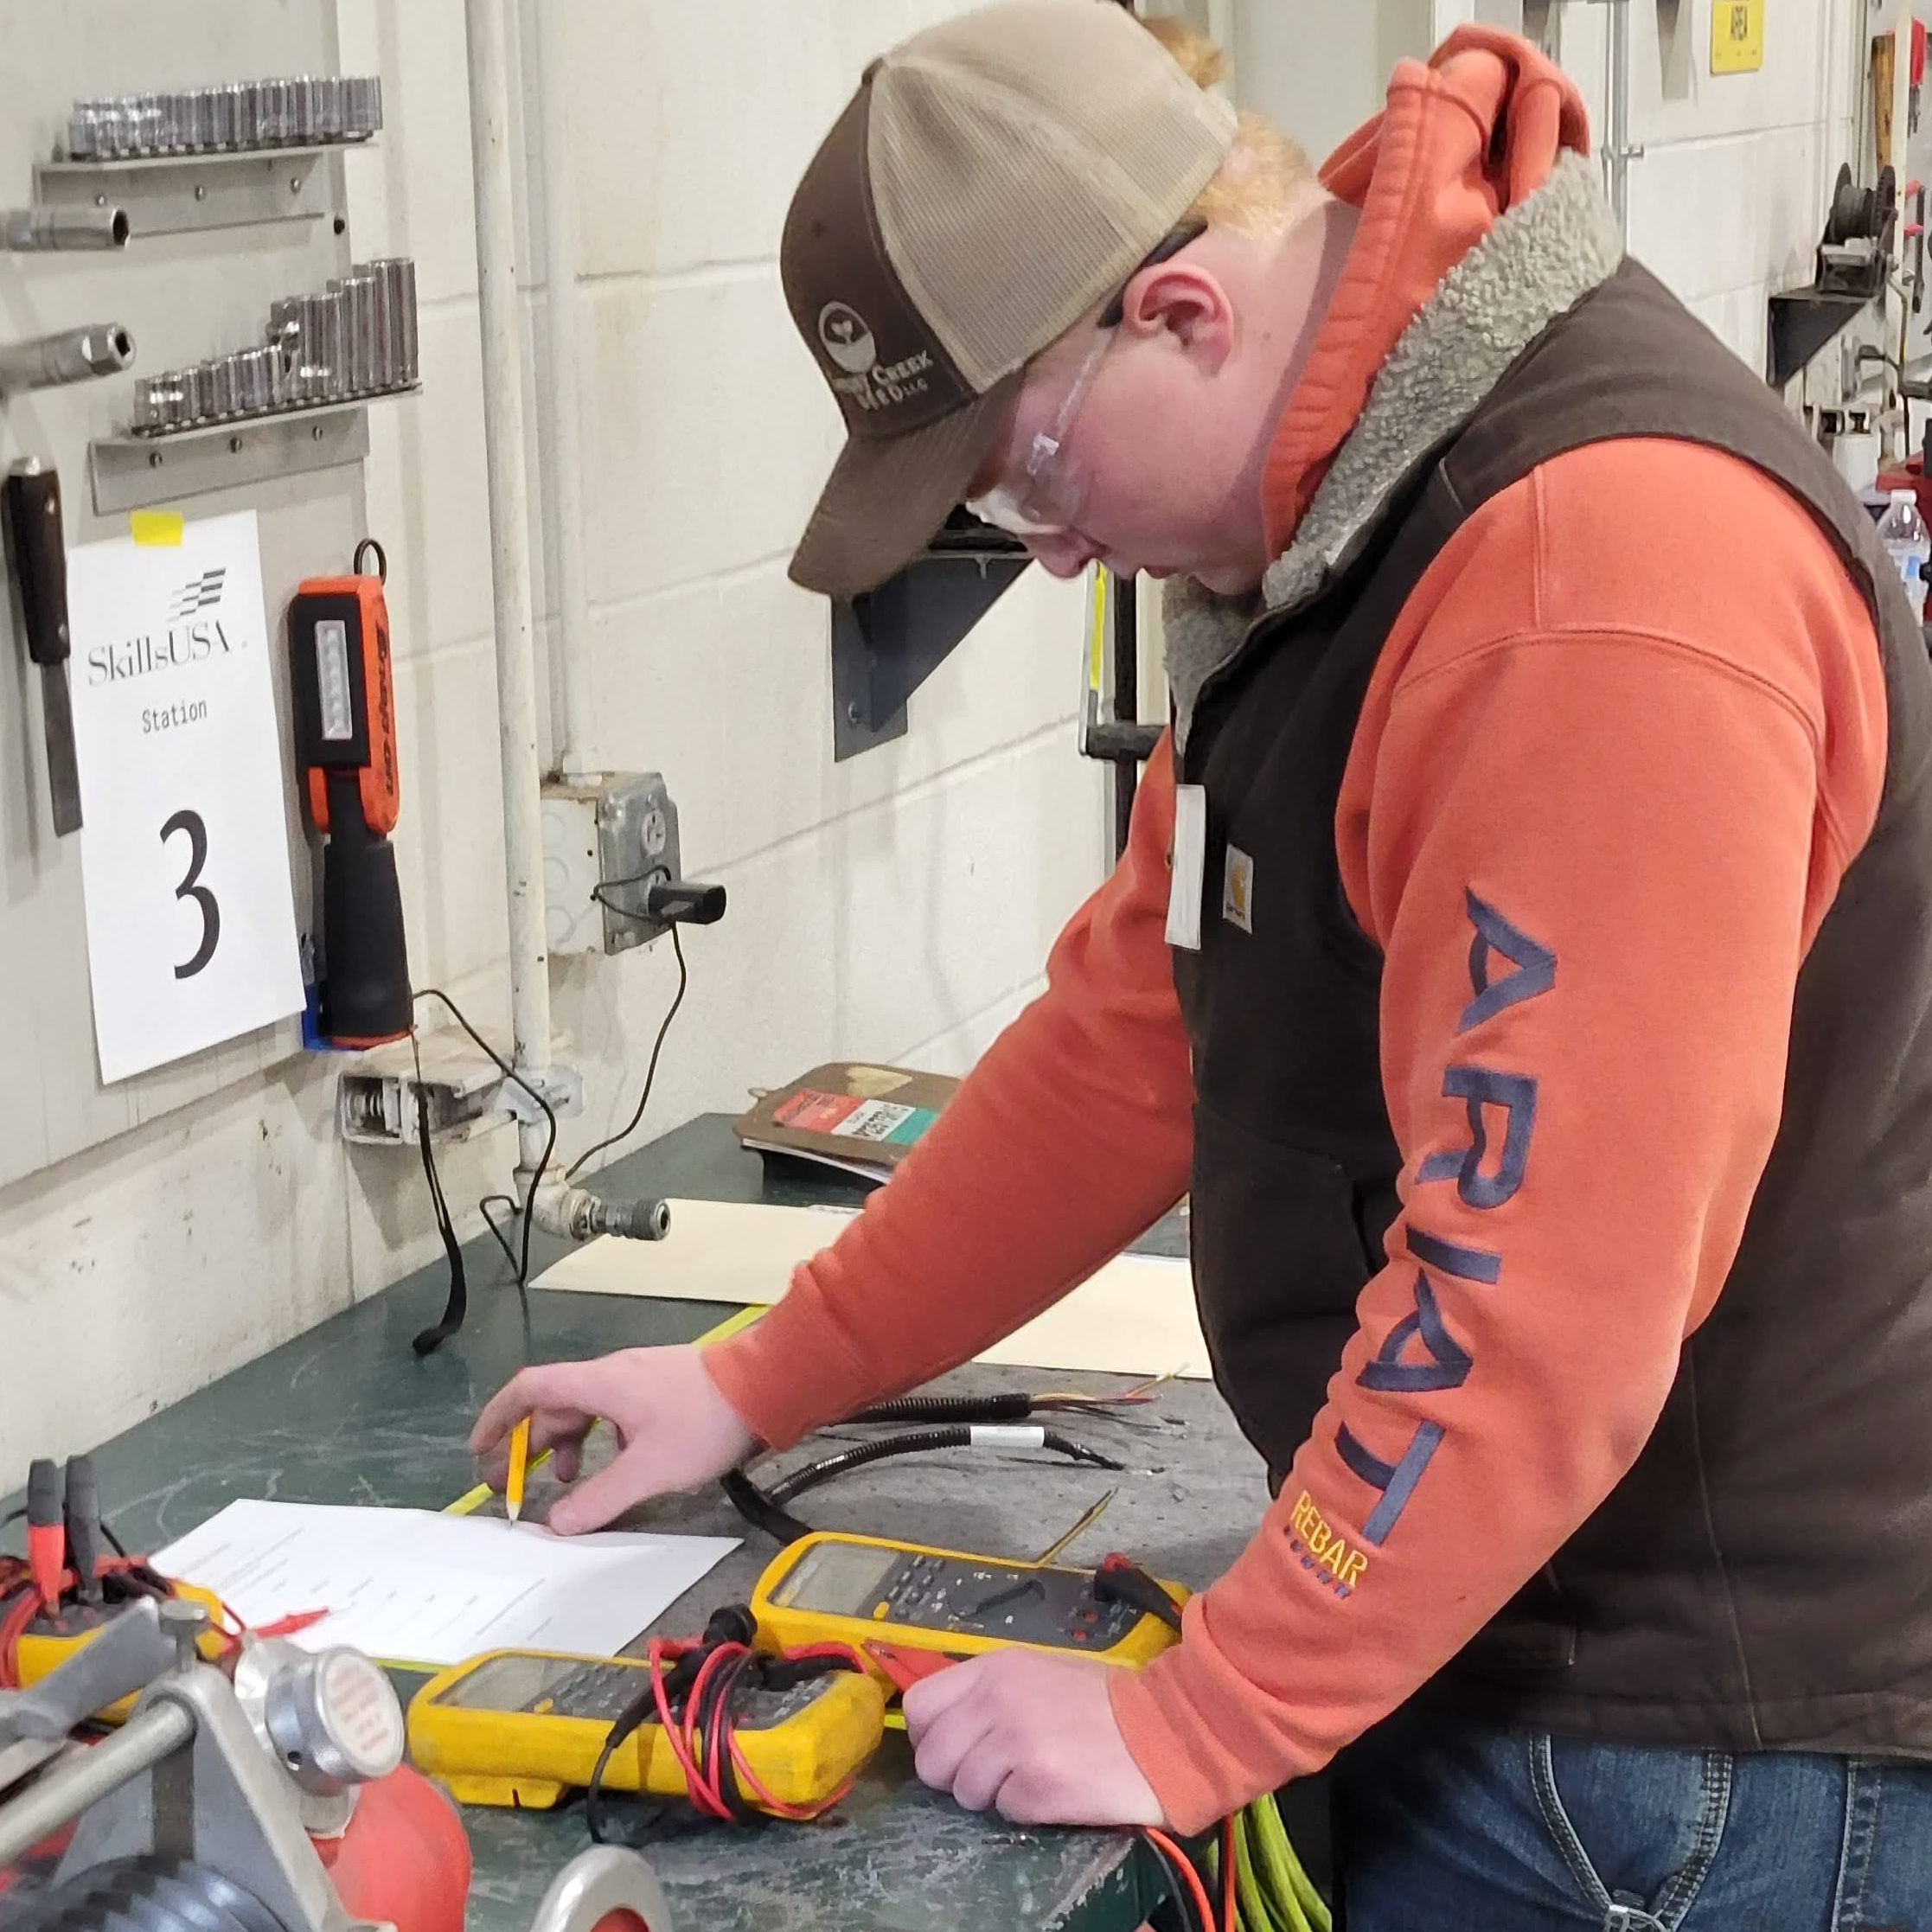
(1539, 259)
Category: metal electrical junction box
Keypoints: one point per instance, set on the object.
(606, 841)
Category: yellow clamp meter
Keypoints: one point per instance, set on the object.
(856, 1589)
(524, 1727)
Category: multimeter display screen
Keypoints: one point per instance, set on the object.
(945, 1590)
(510, 1682)
(842, 1579)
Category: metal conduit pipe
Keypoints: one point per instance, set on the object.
(506, 458)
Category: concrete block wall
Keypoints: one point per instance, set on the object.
(1728, 200)
(1320, 68)
(898, 906)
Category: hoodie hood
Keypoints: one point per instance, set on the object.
(1410, 348)
(1463, 139)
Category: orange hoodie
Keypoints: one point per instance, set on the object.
(1636, 705)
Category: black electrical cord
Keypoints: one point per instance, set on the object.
(457, 1304)
(766, 1509)
(432, 1339)
(712, 1718)
(650, 1074)
(761, 1512)
(1010, 1405)
(484, 1207)
(142, 1579)
(1121, 1580)
(629, 1720)
(714, 1729)
(916, 1441)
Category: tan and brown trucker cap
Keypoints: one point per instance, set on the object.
(993, 178)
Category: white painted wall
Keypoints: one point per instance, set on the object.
(1320, 68)
(900, 905)
(1729, 199)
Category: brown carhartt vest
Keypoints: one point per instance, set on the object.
(1762, 1577)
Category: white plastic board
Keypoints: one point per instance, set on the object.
(1135, 1316)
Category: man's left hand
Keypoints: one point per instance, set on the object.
(1032, 1737)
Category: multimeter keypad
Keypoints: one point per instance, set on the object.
(602, 1692)
(1054, 1607)
(598, 1690)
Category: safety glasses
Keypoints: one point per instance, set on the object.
(1047, 499)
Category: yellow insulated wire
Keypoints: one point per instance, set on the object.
(1097, 631)
(1079, 1529)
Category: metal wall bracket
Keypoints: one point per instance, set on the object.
(1802, 321)
(887, 643)
(132, 471)
(187, 193)
(375, 1097)
(562, 1086)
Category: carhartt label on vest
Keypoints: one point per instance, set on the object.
(1237, 889)
(1190, 866)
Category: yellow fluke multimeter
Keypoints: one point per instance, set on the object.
(47, 1642)
(856, 1589)
(524, 1727)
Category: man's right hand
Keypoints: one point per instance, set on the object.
(674, 1430)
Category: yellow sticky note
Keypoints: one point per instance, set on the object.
(160, 527)
(1736, 36)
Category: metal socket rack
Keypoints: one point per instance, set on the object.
(303, 111)
(130, 472)
(292, 404)
(202, 158)
(357, 339)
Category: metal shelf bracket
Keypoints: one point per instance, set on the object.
(188, 194)
(128, 472)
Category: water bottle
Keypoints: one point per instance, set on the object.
(1908, 544)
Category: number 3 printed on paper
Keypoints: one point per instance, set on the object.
(190, 887)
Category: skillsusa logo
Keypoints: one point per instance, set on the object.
(849, 342)
(188, 635)
(199, 593)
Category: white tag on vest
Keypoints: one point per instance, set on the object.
(1189, 867)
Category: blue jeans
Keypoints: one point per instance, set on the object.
(1444, 1826)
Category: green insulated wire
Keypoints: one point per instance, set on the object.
(1283, 1880)
(1257, 1914)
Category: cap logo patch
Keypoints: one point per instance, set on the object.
(847, 337)
(849, 344)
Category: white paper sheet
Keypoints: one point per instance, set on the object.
(1135, 1316)
(412, 1586)
(184, 842)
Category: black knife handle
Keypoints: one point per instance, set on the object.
(33, 499)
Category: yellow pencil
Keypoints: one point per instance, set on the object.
(520, 1463)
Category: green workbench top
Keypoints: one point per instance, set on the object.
(348, 1414)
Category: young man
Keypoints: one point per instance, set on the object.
(1546, 829)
